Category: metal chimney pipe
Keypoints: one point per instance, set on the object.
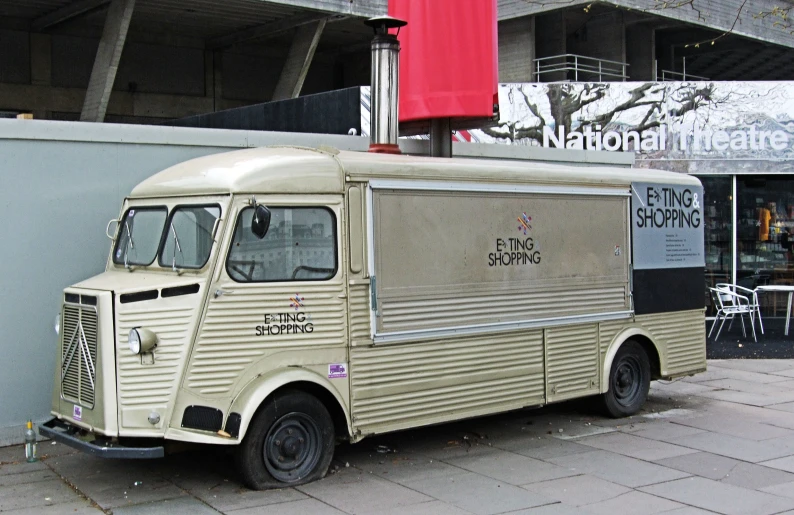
(384, 119)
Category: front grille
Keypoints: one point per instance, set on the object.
(78, 353)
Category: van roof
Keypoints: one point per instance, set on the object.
(292, 170)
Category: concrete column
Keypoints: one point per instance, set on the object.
(40, 59)
(641, 52)
(601, 37)
(217, 80)
(107, 60)
(550, 40)
(440, 137)
(41, 68)
(299, 59)
(209, 75)
(517, 49)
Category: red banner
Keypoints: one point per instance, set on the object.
(448, 58)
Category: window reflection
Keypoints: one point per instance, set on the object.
(765, 223)
(717, 232)
(299, 246)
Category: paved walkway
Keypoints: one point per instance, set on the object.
(719, 442)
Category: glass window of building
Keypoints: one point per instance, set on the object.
(765, 224)
(717, 231)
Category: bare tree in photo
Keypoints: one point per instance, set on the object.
(568, 104)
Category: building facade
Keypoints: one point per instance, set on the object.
(697, 87)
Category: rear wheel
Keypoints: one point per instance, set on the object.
(629, 381)
(290, 442)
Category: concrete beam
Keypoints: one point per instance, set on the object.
(268, 30)
(299, 58)
(65, 13)
(107, 60)
(363, 8)
(26, 97)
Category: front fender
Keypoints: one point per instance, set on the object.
(615, 344)
(251, 397)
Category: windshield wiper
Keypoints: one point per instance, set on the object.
(130, 244)
(176, 247)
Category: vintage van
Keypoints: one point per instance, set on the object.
(280, 299)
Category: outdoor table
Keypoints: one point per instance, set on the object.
(780, 287)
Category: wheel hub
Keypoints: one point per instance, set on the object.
(292, 447)
(626, 381)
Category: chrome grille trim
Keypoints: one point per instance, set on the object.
(79, 353)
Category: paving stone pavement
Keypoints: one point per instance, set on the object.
(718, 442)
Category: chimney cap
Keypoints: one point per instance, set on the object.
(382, 24)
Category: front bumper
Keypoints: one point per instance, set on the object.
(66, 434)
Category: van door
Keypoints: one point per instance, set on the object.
(276, 302)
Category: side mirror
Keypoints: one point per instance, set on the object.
(261, 221)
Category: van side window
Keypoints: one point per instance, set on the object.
(299, 246)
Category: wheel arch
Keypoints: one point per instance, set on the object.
(645, 340)
(259, 391)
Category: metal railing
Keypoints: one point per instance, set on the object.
(580, 68)
(669, 75)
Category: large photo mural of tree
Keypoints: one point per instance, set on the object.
(705, 127)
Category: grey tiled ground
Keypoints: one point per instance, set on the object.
(719, 442)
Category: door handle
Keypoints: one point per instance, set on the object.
(220, 292)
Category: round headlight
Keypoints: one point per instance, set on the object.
(58, 323)
(135, 341)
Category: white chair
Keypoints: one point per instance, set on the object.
(730, 304)
(751, 295)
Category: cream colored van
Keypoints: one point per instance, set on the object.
(281, 299)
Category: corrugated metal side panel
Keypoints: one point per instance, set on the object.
(683, 335)
(680, 336)
(608, 331)
(572, 362)
(228, 342)
(359, 314)
(151, 384)
(411, 385)
(452, 311)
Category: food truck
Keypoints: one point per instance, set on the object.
(281, 299)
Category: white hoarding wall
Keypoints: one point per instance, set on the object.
(61, 183)
(692, 127)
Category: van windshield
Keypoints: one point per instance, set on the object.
(188, 237)
(182, 239)
(141, 232)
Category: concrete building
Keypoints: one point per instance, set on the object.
(150, 60)
(645, 40)
(145, 61)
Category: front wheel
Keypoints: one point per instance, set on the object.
(629, 381)
(290, 442)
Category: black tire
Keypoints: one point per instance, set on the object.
(629, 381)
(289, 442)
